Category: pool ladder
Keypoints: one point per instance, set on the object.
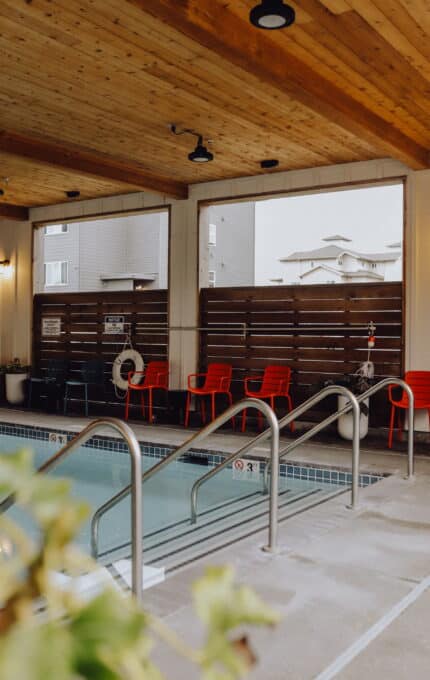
(275, 455)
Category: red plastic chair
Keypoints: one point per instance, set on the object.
(156, 378)
(217, 381)
(419, 382)
(275, 383)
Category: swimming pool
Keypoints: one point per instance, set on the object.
(228, 506)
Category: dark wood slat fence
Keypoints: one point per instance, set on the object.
(317, 330)
(82, 333)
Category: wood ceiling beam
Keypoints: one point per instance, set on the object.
(90, 163)
(211, 24)
(14, 212)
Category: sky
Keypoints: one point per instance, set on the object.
(372, 217)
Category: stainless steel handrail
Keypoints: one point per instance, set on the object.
(325, 392)
(362, 397)
(192, 441)
(274, 455)
(331, 419)
(136, 472)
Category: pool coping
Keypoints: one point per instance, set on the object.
(302, 470)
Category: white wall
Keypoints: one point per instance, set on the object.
(16, 291)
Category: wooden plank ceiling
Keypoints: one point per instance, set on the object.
(88, 89)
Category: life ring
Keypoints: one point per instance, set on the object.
(127, 355)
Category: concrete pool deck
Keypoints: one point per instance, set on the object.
(339, 580)
(337, 452)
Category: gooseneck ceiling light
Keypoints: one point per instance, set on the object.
(200, 153)
(272, 14)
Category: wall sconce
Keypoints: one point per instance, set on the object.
(5, 269)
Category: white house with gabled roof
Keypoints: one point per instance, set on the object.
(339, 263)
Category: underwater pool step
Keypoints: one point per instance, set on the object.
(231, 504)
(176, 544)
(229, 528)
(222, 537)
(218, 519)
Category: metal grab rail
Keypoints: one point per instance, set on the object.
(362, 397)
(192, 441)
(327, 391)
(331, 419)
(274, 455)
(136, 472)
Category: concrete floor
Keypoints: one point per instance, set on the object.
(337, 575)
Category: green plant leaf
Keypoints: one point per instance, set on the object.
(16, 471)
(104, 632)
(221, 605)
(35, 651)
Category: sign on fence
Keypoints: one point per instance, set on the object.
(51, 325)
(114, 325)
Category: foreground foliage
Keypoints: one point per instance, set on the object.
(47, 632)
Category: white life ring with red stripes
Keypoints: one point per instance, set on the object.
(127, 355)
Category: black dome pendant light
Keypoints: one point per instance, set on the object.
(200, 153)
(272, 14)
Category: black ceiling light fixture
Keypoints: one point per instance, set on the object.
(72, 193)
(5, 181)
(269, 163)
(272, 14)
(200, 153)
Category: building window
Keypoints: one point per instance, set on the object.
(374, 265)
(56, 273)
(212, 278)
(54, 229)
(212, 234)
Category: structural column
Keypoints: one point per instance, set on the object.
(16, 291)
(183, 291)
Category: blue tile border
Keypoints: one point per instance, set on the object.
(303, 471)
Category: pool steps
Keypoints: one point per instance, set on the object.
(182, 542)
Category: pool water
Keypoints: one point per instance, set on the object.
(98, 474)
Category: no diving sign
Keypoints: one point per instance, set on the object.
(246, 470)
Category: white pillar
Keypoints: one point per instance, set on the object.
(417, 312)
(183, 291)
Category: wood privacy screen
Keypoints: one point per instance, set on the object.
(82, 324)
(316, 330)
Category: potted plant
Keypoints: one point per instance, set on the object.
(358, 383)
(16, 376)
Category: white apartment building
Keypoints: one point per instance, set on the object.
(337, 262)
(227, 245)
(125, 253)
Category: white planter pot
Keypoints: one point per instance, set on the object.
(15, 383)
(344, 423)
